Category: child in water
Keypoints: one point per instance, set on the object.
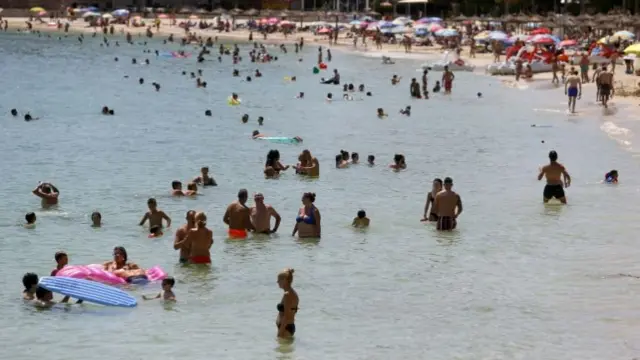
(371, 160)
(30, 218)
(61, 261)
(611, 177)
(381, 113)
(437, 87)
(96, 219)
(361, 220)
(167, 291)
(355, 158)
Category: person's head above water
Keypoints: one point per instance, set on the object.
(120, 254)
(14, 112)
(329, 96)
(30, 281)
(207, 113)
(256, 132)
(308, 198)
(448, 183)
(176, 185)
(553, 155)
(30, 218)
(362, 214)
(243, 195)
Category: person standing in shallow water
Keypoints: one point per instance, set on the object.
(447, 80)
(436, 188)
(557, 179)
(261, 215)
(47, 193)
(288, 306)
(237, 216)
(181, 235)
(308, 219)
(447, 206)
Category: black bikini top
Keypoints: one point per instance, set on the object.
(280, 308)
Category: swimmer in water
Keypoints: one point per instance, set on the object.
(245, 118)
(192, 189)
(167, 291)
(355, 158)
(204, 179)
(406, 111)
(155, 231)
(436, 187)
(44, 298)
(155, 216)
(238, 216)
(260, 120)
(14, 112)
(447, 206)
(308, 164)
(308, 219)
(381, 113)
(176, 188)
(96, 219)
(395, 80)
(398, 162)
(557, 179)
(30, 283)
(361, 220)
(256, 134)
(329, 97)
(341, 163)
(273, 166)
(28, 117)
(300, 96)
(611, 177)
(61, 259)
(347, 97)
(47, 193)
(371, 160)
(30, 219)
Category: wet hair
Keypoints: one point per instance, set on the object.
(14, 112)
(243, 194)
(245, 117)
(354, 155)
(30, 217)
(338, 159)
(248, 78)
(438, 180)
(553, 155)
(362, 214)
(309, 195)
(371, 158)
(192, 186)
(175, 184)
(207, 113)
(28, 280)
(272, 157)
(41, 293)
(155, 229)
(111, 112)
(329, 96)
(121, 250)
(369, 93)
(96, 213)
(169, 281)
(152, 201)
(59, 255)
(397, 158)
(448, 181)
(286, 274)
(345, 154)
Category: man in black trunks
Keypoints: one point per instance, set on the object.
(557, 179)
(447, 205)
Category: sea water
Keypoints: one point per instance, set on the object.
(516, 280)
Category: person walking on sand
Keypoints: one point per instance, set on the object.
(557, 179)
(606, 86)
(573, 89)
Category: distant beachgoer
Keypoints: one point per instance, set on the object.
(395, 80)
(371, 160)
(14, 112)
(30, 282)
(573, 89)
(355, 158)
(167, 291)
(447, 79)
(557, 179)
(288, 306)
(44, 298)
(381, 113)
(611, 177)
(48, 193)
(273, 166)
(341, 163)
(447, 206)
(436, 88)
(154, 215)
(406, 111)
(261, 215)
(398, 162)
(30, 219)
(204, 179)
(62, 260)
(361, 220)
(606, 86)
(308, 219)
(192, 189)
(237, 216)
(435, 189)
(96, 219)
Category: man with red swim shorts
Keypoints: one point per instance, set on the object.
(199, 241)
(447, 80)
(238, 216)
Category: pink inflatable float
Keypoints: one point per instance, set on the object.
(95, 272)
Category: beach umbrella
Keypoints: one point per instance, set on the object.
(399, 29)
(498, 35)
(401, 21)
(433, 19)
(567, 43)
(633, 49)
(355, 22)
(543, 39)
(434, 27)
(92, 9)
(520, 37)
(540, 31)
(41, 13)
(372, 26)
(424, 27)
(107, 16)
(446, 33)
(623, 35)
(37, 9)
(367, 19)
(286, 23)
(324, 31)
(386, 31)
(162, 16)
(193, 17)
(421, 32)
(272, 21)
(484, 35)
(90, 14)
(385, 24)
(121, 12)
(423, 20)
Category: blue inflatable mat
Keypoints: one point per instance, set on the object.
(87, 290)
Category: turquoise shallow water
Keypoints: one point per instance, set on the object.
(517, 280)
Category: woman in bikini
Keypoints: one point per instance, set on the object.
(273, 166)
(435, 189)
(288, 306)
(121, 268)
(308, 219)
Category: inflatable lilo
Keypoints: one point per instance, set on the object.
(95, 272)
(281, 139)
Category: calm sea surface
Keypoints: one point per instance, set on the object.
(517, 280)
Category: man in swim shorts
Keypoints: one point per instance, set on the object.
(181, 235)
(573, 89)
(199, 241)
(606, 86)
(261, 215)
(447, 205)
(237, 216)
(447, 80)
(555, 174)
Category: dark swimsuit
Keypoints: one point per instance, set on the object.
(138, 279)
(553, 191)
(291, 328)
(446, 223)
